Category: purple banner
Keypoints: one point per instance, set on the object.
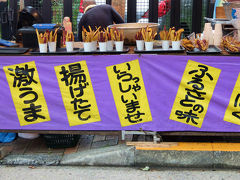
(161, 74)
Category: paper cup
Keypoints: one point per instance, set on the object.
(87, 46)
(109, 45)
(149, 46)
(176, 45)
(207, 26)
(94, 45)
(165, 44)
(52, 46)
(69, 46)
(140, 45)
(43, 48)
(119, 45)
(103, 46)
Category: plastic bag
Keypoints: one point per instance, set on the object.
(7, 137)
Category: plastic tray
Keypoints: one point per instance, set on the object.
(232, 53)
(159, 50)
(210, 50)
(44, 26)
(125, 50)
(13, 50)
(59, 51)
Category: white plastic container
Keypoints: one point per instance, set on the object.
(88, 46)
(103, 46)
(52, 46)
(43, 48)
(109, 45)
(94, 45)
(208, 33)
(140, 45)
(28, 135)
(149, 46)
(119, 45)
(69, 46)
(176, 45)
(165, 44)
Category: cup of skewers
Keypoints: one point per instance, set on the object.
(175, 37)
(148, 36)
(110, 37)
(102, 39)
(69, 41)
(165, 38)
(52, 41)
(94, 38)
(139, 41)
(119, 39)
(90, 39)
(42, 41)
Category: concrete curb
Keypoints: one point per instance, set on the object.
(194, 159)
(188, 159)
(119, 155)
(122, 155)
(32, 160)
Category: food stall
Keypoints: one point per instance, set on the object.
(188, 87)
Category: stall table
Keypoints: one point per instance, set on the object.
(157, 82)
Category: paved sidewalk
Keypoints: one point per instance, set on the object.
(96, 150)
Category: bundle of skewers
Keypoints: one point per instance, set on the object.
(139, 36)
(175, 35)
(148, 34)
(69, 37)
(139, 40)
(117, 35)
(165, 35)
(91, 35)
(103, 36)
(110, 34)
(42, 41)
(42, 37)
(52, 36)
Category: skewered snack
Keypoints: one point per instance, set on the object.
(118, 35)
(42, 38)
(110, 34)
(230, 44)
(187, 44)
(91, 35)
(139, 35)
(175, 35)
(148, 35)
(102, 36)
(52, 37)
(165, 35)
(202, 45)
(70, 37)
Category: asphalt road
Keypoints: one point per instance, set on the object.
(115, 173)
